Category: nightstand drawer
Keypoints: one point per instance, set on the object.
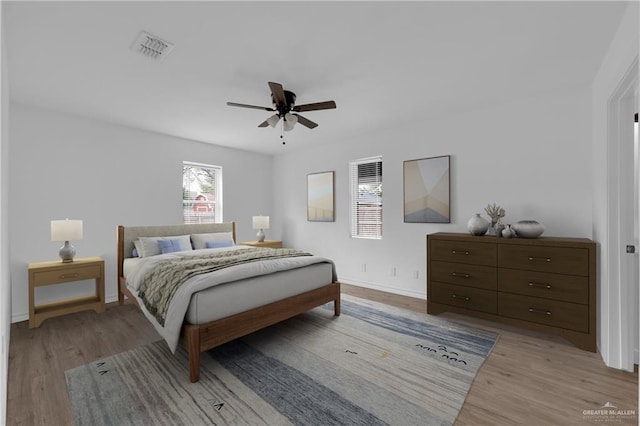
(464, 297)
(66, 274)
(464, 252)
(567, 288)
(573, 261)
(571, 316)
(465, 275)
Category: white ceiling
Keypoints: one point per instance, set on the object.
(384, 63)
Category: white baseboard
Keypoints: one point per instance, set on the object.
(19, 317)
(386, 288)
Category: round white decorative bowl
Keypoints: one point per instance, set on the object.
(528, 228)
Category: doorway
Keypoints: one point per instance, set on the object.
(623, 272)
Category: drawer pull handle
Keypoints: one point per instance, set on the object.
(465, 298)
(62, 277)
(547, 286)
(539, 311)
(460, 274)
(465, 253)
(539, 259)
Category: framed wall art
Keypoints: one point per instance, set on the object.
(320, 197)
(427, 190)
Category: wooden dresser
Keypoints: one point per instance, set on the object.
(546, 284)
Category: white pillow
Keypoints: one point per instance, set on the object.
(150, 246)
(200, 240)
(138, 247)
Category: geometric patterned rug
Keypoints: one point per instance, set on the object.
(374, 364)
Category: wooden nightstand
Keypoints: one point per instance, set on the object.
(265, 243)
(56, 272)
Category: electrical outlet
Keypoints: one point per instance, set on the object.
(364, 267)
(416, 274)
(394, 271)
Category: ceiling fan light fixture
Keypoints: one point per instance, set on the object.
(283, 105)
(273, 120)
(290, 121)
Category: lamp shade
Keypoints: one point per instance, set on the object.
(66, 230)
(273, 120)
(261, 222)
(290, 121)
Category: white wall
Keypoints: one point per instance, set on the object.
(620, 56)
(5, 284)
(64, 166)
(532, 156)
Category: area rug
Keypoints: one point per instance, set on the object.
(374, 364)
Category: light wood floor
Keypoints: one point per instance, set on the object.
(528, 379)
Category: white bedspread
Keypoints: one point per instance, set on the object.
(180, 302)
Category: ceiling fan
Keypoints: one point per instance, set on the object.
(284, 107)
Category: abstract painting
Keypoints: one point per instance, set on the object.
(320, 198)
(427, 190)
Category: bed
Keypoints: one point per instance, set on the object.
(235, 305)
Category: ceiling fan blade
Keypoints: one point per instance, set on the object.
(250, 106)
(265, 123)
(306, 122)
(315, 106)
(278, 93)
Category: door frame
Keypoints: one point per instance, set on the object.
(623, 267)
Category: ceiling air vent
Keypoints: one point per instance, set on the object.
(151, 46)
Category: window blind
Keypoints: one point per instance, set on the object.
(366, 197)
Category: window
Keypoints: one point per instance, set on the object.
(366, 198)
(201, 193)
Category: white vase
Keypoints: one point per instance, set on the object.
(477, 225)
(528, 228)
(507, 232)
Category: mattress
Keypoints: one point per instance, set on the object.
(238, 296)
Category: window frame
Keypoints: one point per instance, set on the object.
(355, 180)
(216, 203)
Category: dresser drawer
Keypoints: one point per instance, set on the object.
(465, 275)
(566, 315)
(64, 275)
(568, 288)
(465, 297)
(464, 252)
(562, 260)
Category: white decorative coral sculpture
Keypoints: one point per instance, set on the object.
(495, 212)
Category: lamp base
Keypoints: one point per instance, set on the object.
(260, 236)
(67, 252)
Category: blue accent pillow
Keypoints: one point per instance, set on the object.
(134, 253)
(219, 244)
(169, 246)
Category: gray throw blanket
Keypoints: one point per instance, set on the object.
(160, 284)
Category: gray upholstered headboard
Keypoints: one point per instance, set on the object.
(128, 234)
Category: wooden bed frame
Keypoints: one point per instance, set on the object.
(201, 337)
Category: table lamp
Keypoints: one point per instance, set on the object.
(260, 222)
(66, 230)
